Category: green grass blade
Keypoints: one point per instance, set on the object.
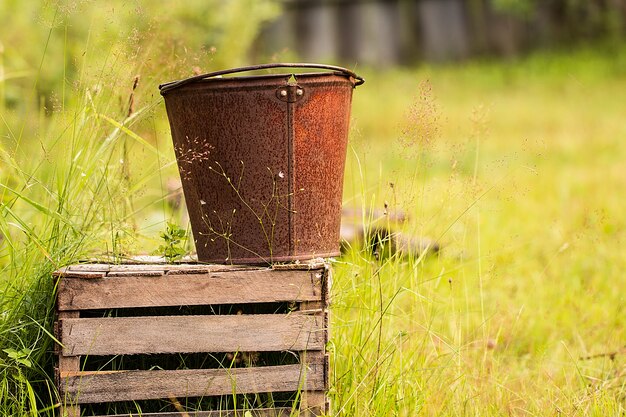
(128, 132)
(39, 207)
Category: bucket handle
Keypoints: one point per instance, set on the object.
(175, 84)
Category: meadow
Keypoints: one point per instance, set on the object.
(519, 176)
(517, 168)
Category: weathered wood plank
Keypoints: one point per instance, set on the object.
(197, 289)
(89, 267)
(192, 268)
(136, 273)
(69, 273)
(146, 385)
(317, 263)
(149, 267)
(312, 402)
(318, 358)
(264, 412)
(319, 307)
(67, 364)
(173, 334)
(184, 268)
(314, 398)
(318, 304)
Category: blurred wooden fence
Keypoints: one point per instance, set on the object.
(386, 32)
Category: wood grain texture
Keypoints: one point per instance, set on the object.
(163, 267)
(251, 286)
(84, 267)
(317, 263)
(189, 268)
(67, 364)
(87, 274)
(263, 412)
(135, 273)
(318, 358)
(146, 385)
(174, 334)
(312, 400)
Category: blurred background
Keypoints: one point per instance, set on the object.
(379, 33)
(404, 32)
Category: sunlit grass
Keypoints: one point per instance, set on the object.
(523, 188)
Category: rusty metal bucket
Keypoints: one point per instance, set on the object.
(261, 159)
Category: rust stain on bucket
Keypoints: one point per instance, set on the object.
(261, 160)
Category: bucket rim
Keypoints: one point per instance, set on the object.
(258, 80)
(336, 70)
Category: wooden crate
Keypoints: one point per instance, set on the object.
(115, 314)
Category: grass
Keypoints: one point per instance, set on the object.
(516, 167)
(522, 185)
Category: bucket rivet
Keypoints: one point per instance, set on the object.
(283, 93)
(299, 92)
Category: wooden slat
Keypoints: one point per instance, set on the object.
(90, 267)
(149, 267)
(69, 273)
(254, 286)
(314, 398)
(135, 274)
(146, 385)
(312, 401)
(173, 334)
(192, 268)
(185, 268)
(317, 263)
(67, 364)
(264, 412)
(318, 358)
